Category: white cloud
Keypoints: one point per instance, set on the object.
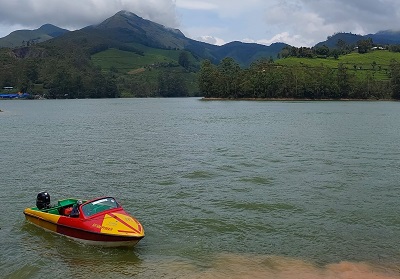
(196, 5)
(80, 13)
(7, 29)
(297, 22)
(285, 37)
(307, 22)
(224, 8)
(211, 40)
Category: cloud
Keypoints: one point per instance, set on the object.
(196, 5)
(224, 8)
(211, 40)
(80, 13)
(296, 22)
(367, 13)
(285, 37)
(307, 22)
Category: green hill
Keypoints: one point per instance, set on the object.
(133, 56)
(376, 62)
(27, 37)
(332, 41)
(141, 71)
(388, 37)
(126, 55)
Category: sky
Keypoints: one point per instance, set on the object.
(295, 22)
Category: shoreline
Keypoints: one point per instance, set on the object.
(295, 100)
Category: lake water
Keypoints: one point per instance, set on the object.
(224, 189)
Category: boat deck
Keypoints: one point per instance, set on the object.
(59, 208)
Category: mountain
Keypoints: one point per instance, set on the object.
(125, 29)
(26, 37)
(387, 37)
(332, 41)
(245, 53)
(124, 55)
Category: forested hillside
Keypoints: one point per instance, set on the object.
(127, 56)
(124, 56)
(22, 38)
(302, 78)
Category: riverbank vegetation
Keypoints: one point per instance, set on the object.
(371, 75)
(54, 73)
(82, 68)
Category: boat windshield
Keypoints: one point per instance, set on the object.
(98, 206)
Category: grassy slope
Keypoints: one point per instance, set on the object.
(127, 61)
(16, 38)
(142, 66)
(381, 57)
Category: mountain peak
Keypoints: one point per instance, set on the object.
(129, 27)
(52, 30)
(123, 19)
(126, 13)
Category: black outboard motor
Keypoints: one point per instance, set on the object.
(43, 200)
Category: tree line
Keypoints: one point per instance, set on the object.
(341, 48)
(52, 74)
(266, 79)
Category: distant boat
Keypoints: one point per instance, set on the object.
(14, 95)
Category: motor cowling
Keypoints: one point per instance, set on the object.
(43, 200)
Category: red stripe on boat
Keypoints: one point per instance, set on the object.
(125, 223)
(86, 235)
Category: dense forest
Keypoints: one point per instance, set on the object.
(49, 71)
(52, 74)
(128, 56)
(268, 79)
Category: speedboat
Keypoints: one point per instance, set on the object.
(101, 221)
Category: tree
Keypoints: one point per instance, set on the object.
(395, 78)
(208, 79)
(343, 81)
(184, 59)
(323, 50)
(394, 48)
(335, 53)
(364, 45)
(342, 46)
(171, 85)
(229, 74)
(32, 72)
(285, 52)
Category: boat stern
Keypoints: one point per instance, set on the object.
(42, 219)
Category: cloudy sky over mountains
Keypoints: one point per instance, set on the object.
(296, 22)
